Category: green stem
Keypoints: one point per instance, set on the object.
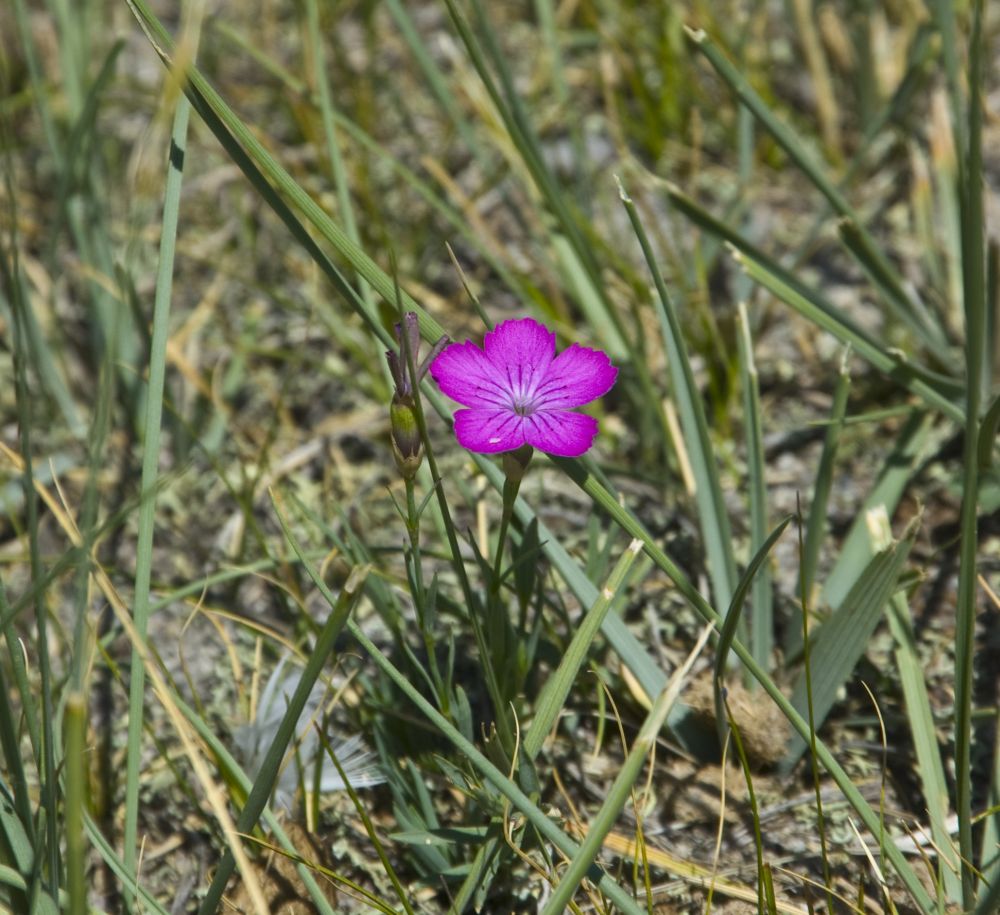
(510, 490)
(420, 595)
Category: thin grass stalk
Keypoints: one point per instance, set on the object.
(712, 510)
(327, 112)
(42, 356)
(557, 687)
(76, 779)
(973, 281)
(89, 521)
(992, 315)
(73, 55)
(812, 740)
(989, 848)
(727, 631)
(150, 471)
(9, 732)
(622, 786)
(46, 874)
(950, 50)
(762, 600)
(912, 443)
(920, 717)
(130, 884)
(734, 730)
(816, 519)
(367, 822)
(10, 743)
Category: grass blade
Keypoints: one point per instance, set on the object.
(974, 294)
(762, 603)
(840, 642)
(712, 513)
(911, 311)
(856, 549)
(933, 389)
(816, 519)
(557, 687)
(150, 470)
(937, 390)
(925, 742)
(727, 633)
(623, 785)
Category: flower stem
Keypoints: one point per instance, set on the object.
(420, 594)
(510, 489)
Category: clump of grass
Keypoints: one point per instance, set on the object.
(200, 429)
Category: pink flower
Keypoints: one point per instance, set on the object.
(519, 391)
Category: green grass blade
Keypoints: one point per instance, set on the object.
(727, 634)
(908, 312)
(988, 434)
(712, 514)
(109, 856)
(855, 550)
(935, 389)
(974, 293)
(621, 788)
(916, 316)
(582, 268)
(150, 469)
(816, 517)
(46, 364)
(762, 601)
(557, 687)
(76, 780)
(837, 646)
(925, 742)
(326, 106)
(989, 861)
(45, 762)
(10, 743)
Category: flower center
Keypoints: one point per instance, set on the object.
(523, 406)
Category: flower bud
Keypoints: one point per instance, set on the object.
(407, 447)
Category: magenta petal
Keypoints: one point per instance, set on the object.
(489, 431)
(561, 433)
(522, 351)
(576, 376)
(466, 375)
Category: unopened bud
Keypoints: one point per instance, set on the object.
(407, 446)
